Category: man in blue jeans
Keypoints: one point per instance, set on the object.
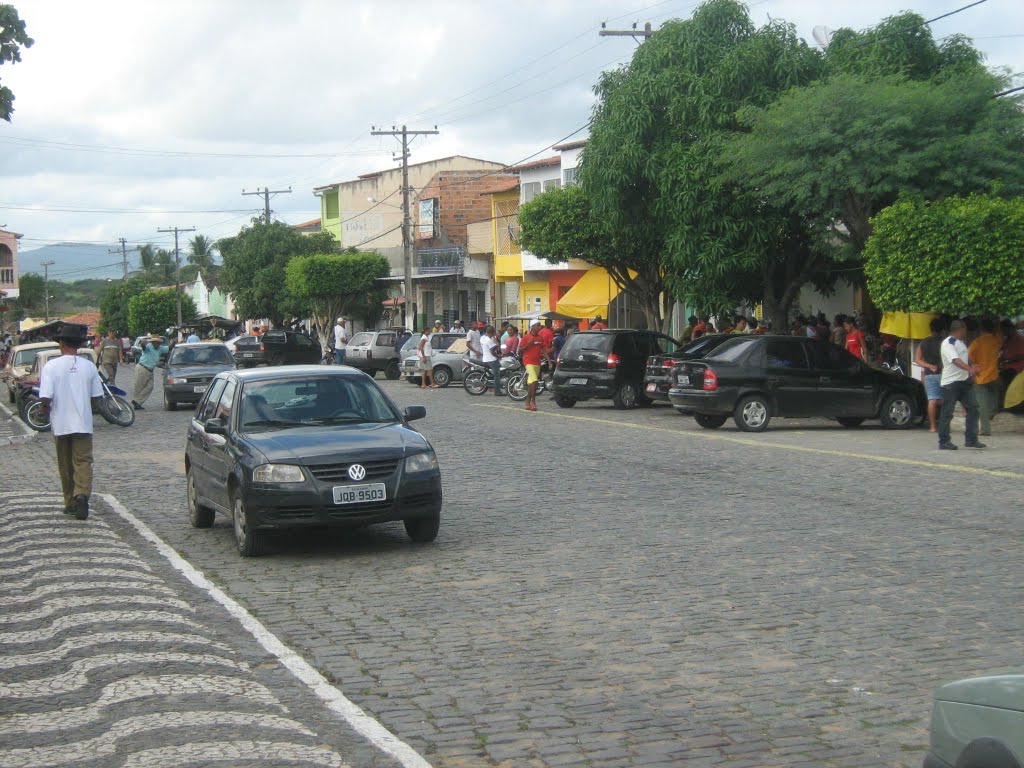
(340, 341)
(957, 388)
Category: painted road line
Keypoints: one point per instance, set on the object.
(366, 726)
(780, 446)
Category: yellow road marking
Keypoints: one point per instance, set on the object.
(782, 446)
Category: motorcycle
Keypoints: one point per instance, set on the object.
(113, 406)
(478, 377)
(518, 388)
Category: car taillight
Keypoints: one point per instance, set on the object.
(668, 363)
(613, 360)
(263, 347)
(710, 380)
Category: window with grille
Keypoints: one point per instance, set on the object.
(552, 184)
(507, 222)
(530, 190)
(569, 176)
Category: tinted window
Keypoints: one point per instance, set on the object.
(627, 344)
(732, 349)
(217, 355)
(385, 340)
(291, 402)
(589, 342)
(209, 403)
(302, 340)
(362, 340)
(829, 357)
(785, 353)
(223, 411)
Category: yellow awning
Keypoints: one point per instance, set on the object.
(590, 296)
(907, 325)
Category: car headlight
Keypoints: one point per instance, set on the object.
(421, 462)
(277, 473)
(171, 380)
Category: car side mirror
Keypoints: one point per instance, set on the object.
(215, 427)
(413, 412)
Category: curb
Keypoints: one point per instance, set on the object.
(17, 425)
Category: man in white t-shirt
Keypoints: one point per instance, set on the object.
(340, 341)
(489, 357)
(67, 386)
(473, 342)
(956, 388)
(425, 352)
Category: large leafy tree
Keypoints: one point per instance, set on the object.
(13, 37)
(253, 268)
(334, 284)
(560, 225)
(653, 164)
(154, 311)
(957, 255)
(114, 304)
(31, 288)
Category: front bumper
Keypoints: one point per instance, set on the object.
(311, 505)
(184, 393)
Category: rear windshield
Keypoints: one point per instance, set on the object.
(589, 342)
(361, 339)
(732, 349)
(214, 355)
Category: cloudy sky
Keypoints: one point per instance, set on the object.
(131, 116)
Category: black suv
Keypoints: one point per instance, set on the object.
(607, 364)
(277, 348)
(658, 379)
(753, 378)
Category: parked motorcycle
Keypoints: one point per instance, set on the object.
(478, 378)
(113, 406)
(518, 388)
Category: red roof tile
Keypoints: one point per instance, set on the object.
(92, 319)
(502, 186)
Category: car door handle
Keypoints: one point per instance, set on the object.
(824, 379)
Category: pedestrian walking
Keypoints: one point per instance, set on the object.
(532, 350)
(956, 388)
(110, 355)
(547, 335)
(984, 353)
(340, 341)
(69, 385)
(142, 387)
(856, 343)
(490, 355)
(929, 358)
(425, 352)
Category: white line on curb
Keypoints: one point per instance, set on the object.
(362, 723)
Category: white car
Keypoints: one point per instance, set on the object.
(19, 363)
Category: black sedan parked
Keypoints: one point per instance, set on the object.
(190, 369)
(308, 446)
(658, 379)
(277, 347)
(753, 378)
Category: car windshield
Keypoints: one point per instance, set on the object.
(317, 401)
(213, 355)
(732, 349)
(26, 356)
(362, 339)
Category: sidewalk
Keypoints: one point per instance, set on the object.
(110, 657)
(12, 429)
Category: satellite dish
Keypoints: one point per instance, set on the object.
(822, 35)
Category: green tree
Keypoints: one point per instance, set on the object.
(653, 164)
(200, 258)
(154, 311)
(12, 38)
(253, 268)
(31, 288)
(114, 304)
(334, 284)
(560, 225)
(957, 255)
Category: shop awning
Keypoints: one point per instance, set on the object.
(591, 295)
(907, 325)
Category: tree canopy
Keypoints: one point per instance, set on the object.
(253, 268)
(31, 290)
(154, 311)
(114, 304)
(13, 37)
(957, 255)
(200, 257)
(331, 285)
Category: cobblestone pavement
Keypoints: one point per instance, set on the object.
(623, 589)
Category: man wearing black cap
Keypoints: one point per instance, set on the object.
(68, 386)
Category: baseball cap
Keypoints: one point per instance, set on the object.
(536, 321)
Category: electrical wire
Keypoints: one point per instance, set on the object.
(70, 209)
(925, 23)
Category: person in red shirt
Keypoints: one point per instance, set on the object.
(598, 324)
(531, 349)
(700, 328)
(511, 344)
(856, 345)
(547, 335)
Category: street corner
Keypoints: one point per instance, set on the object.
(107, 656)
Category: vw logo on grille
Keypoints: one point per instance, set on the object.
(357, 472)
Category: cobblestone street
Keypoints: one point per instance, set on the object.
(608, 588)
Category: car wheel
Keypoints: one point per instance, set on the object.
(442, 375)
(709, 421)
(564, 402)
(626, 396)
(752, 414)
(423, 529)
(169, 405)
(898, 412)
(248, 541)
(850, 421)
(393, 371)
(198, 515)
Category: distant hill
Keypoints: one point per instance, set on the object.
(72, 261)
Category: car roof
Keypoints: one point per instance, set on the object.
(195, 344)
(295, 372)
(36, 345)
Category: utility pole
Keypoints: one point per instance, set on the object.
(46, 287)
(177, 265)
(634, 32)
(405, 133)
(266, 193)
(124, 256)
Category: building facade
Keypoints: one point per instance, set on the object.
(9, 263)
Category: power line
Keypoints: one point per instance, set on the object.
(908, 28)
(265, 194)
(70, 209)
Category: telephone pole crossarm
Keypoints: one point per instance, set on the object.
(265, 193)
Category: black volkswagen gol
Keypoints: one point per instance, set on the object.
(308, 446)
